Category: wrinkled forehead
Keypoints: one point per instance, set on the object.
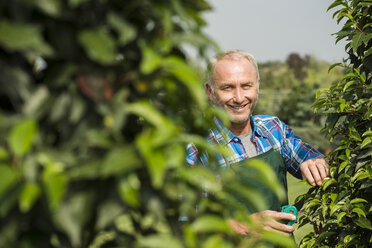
(232, 67)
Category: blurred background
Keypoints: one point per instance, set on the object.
(271, 29)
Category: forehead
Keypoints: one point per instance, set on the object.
(234, 70)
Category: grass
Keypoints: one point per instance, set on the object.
(295, 188)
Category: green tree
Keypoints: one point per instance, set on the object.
(340, 210)
(97, 105)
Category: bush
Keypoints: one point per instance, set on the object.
(340, 209)
(97, 105)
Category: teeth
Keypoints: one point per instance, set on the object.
(238, 107)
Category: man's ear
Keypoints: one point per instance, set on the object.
(208, 89)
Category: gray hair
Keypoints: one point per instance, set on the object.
(232, 55)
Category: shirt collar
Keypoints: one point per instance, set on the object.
(224, 136)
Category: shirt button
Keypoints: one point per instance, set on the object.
(236, 139)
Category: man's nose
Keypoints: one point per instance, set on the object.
(238, 95)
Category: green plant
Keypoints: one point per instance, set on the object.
(97, 104)
(341, 209)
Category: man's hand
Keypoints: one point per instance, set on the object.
(268, 220)
(315, 170)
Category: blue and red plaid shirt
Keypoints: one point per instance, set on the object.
(282, 139)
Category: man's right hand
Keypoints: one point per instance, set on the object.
(269, 221)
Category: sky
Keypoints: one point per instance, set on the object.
(272, 29)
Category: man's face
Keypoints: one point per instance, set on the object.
(235, 88)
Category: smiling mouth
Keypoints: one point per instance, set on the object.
(237, 107)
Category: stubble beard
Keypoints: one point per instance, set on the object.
(218, 103)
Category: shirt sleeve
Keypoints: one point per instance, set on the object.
(192, 154)
(296, 151)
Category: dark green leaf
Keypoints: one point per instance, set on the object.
(24, 38)
(8, 177)
(364, 222)
(357, 41)
(126, 31)
(119, 161)
(99, 45)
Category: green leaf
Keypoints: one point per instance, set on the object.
(8, 178)
(25, 38)
(150, 60)
(4, 155)
(339, 217)
(60, 107)
(50, 7)
(358, 200)
(349, 238)
(36, 100)
(334, 4)
(22, 136)
(364, 222)
(159, 241)
(335, 208)
(359, 175)
(128, 189)
(55, 182)
(99, 45)
(333, 66)
(124, 224)
(278, 239)
(328, 182)
(368, 52)
(342, 166)
(210, 223)
(347, 85)
(357, 41)
(73, 214)
(30, 193)
(366, 142)
(150, 114)
(367, 38)
(126, 31)
(367, 133)
(188, 76)
(108, 212)
(358, 211)
(156, 160)
(120, 160)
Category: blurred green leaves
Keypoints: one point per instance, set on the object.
(22, 136)
(99, 45)
(24, 38)
(98, 103)
(8, 177)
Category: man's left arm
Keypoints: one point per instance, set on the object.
(305, 160)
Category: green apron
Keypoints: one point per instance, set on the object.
(246, 175)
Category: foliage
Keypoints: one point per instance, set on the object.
(97, 105)
(340, 209)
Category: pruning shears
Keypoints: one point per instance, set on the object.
(292, 209)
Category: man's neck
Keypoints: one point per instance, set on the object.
(240, 128)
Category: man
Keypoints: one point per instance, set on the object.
(234, 85)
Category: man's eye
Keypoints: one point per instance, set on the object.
(226, 88)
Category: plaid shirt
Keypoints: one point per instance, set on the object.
(268, 132)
